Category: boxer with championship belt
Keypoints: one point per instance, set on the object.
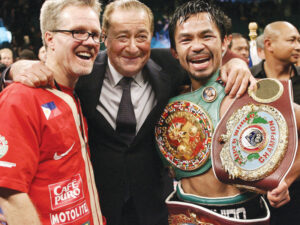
(185, 129)
(255, 143)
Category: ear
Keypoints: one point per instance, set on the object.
(105, 35)
(268, 45)
(224, 45)
(49, 40)
(174, 53)
(227, 40)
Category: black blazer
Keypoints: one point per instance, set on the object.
(137, 166)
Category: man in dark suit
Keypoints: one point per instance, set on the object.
(130, 178)
(129, 174)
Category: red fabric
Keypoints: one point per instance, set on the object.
(230, 55)
(45, 157)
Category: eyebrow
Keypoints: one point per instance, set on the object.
(128, 31)
(85, 29)
(185, 34)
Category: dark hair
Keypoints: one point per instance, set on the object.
(27, 54)
(183, 12)
(236, 36)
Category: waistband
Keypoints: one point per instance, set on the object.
(220, 201)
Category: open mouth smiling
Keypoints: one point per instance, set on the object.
(84, 55)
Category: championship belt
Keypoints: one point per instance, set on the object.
(185, 213)
(255, 143)
(183, 135)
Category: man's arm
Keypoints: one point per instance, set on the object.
(18, 208)
(294, 173)
(237, 76)
(280, 195)
(32, 73)
(235, 73)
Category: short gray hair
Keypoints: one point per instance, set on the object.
(51, 9)
(125, 5)
(260, 41)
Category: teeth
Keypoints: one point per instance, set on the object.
(85, 55)
(199, 61)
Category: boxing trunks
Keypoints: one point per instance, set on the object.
(246, 208)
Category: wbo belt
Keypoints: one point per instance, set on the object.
(255, 143)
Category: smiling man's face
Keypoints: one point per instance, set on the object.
(198, 46)
(74, 57)
(128, 40)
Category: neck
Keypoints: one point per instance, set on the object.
(278, 70)
(196, 84)
(60, 75)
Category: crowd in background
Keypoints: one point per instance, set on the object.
(20, 17)
(23, 41)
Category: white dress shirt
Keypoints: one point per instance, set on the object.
(142, 96)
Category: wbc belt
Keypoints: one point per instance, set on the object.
(255, 143)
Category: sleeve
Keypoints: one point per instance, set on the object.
(19, 139)
(171, 66)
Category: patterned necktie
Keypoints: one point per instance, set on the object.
(126, 122)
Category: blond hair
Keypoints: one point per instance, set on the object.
(51, 9)
(6, 50)
(125, 5)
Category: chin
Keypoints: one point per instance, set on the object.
(131, 72)
(83, 71)
(200, 77)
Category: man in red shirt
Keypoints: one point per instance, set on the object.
(46, 176)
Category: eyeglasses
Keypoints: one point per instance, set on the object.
(84, 35)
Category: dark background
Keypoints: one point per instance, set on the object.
(21, 17)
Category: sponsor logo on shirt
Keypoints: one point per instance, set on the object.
(3, 146)
(50, 110)
(58, 157)
(70, 215)
(66, 192)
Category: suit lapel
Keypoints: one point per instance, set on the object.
(89, 89)
(160, 83)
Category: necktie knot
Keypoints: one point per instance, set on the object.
(125, 82)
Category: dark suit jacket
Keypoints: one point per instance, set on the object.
(137, 166)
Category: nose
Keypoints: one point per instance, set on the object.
(245, 53)
(90, 41)
(297, 47)
(132, 46)
(197, 46)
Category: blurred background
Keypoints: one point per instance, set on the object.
(19, 19)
